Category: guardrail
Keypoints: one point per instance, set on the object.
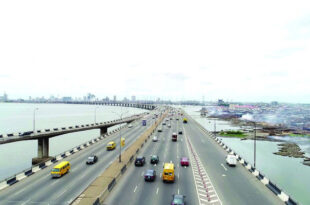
(261, 177)
(32, 170)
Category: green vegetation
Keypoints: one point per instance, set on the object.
(233, 133)
(299, 135)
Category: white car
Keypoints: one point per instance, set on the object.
(129, 126)
(155, 139)
(169, 125)
(231, 160)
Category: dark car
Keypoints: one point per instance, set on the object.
(92, 159)
(178, 199)
(150, 175)
(180, 132)
(154, 159)
(140, 161)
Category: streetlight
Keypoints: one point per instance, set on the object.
(214, 127)
(34, 118)
(254, 144)
(120, 135)
(95, 113)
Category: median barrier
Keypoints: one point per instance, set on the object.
(28, 172)
(42, 165)
(104, 183)
(271, 186)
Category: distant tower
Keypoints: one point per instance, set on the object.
(114, 98)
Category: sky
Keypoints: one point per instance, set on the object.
(179, 50)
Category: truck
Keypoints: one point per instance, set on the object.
(143, 122)
(184, 120)
(174, 137)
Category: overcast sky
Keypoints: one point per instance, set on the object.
(234, 50)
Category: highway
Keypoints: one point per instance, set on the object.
(132, 188)
(233, 185)
(40, 188)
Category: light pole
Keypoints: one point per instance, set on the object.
(34, 118)
(120, 136)
(95, 113)
(214, 127)
(254, 144)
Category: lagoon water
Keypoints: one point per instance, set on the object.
(288, 173)
(18, 117)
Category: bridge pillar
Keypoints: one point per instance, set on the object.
(43, 151)
(103, 130)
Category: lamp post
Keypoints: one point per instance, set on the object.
(214, 127)
(34, 119)
(95, 114)
(120, 136)
(254, 144)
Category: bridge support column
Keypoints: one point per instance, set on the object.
(43, 151)
(103, 130)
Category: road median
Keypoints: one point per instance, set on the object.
(99, 189)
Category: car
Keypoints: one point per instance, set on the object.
(177, 118)
(92, 159)
(140, 161)
(150, 175)
(184, 161)
(231, 160)
(169, 125)
(155, 139)
(164, 123)
(154, 159)
(129, 126)
(180, 132)
(160, 129)
(178, 199)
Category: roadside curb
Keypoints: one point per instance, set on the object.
(261, 177)
(32, 170)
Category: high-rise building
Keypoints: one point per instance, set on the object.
(133, 98)
(114, 98)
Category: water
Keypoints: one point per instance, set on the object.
(15, 117)
(288, 173)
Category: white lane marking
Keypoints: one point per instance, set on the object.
(135, 189)
(178, 191)
(224, 167)
(26, 202)
(142, 173)
(160, 175)
(223, 175)
(157, 190)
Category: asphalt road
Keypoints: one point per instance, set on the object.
(40, 188)
(132, 189)
(233, 185)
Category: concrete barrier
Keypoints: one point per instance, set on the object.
(104, 183)
(271, 186)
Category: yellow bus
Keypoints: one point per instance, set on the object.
(111, 145)
(60, 169)
(168, 172)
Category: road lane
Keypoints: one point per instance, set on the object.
(234, 186)
(40, 187)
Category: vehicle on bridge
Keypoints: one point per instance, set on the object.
(150, 175)
(180, 132)
(60, 169)
(185, 120)
(160, 129)
(174, 137)
(144, 122)
(92, 159)
(178, 199)
(184, 161)
(111, 145)
(154, 159)
(140, 160)
(155, 139)
(168, 172)
(231, 160)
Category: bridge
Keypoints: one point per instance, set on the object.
(120, 104)
(43, 135)
(208, 180)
